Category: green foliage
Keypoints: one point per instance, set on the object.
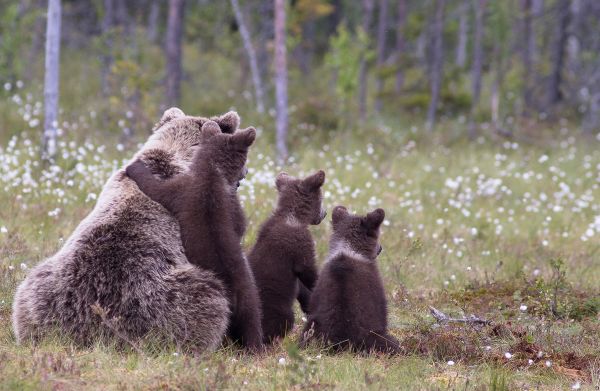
(347, 50)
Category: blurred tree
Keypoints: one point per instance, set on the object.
(463, 32)
(281, 87)
(256, 79)
(173, 52)
(563, 16)
(437, 63)
(51, 79)
(153, 18)
(400, 43)
(362, 73)
(480, 7)
(108, 22)
(381, 35)
(526, 53)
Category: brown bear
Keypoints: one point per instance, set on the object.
(204, 201)
(126, 257)
(348, 308)
(284, 254)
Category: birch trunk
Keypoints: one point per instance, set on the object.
(51, 79)
(256, 79)
(281, 93)
(174, 52)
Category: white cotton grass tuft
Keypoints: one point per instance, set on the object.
(523, 308)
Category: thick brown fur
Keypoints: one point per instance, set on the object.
(204, 202)
(126, 256)
(284, 253)
(348, 308)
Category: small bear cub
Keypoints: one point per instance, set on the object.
(204, 201)
(283, 258)
(348, 308)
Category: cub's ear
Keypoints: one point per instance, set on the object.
(244, 137)
(338, 214)
(374, 219)
(167, 116)
(314, 181)
(209, 129)
(228, 122)
(282, 179)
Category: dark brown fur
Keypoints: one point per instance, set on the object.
(284, 254)
(205, 203)
(348, 308)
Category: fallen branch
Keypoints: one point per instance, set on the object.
(443, 318)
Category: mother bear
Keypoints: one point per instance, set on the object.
(127, 258)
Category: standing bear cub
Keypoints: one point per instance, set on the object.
(204, 201)
(348, 307)
(283, 258)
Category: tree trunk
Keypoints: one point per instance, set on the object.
(400, 44)
(152, 30)
(281, 93)
(123, 19)
(381, 35)
(256, 80)
(526, 54)
(174, 52)
(437, 64)
(537, 10)
(37, 42)
(480, 6)
(554, 93)
(108, 22)
(362, 71)
(463, 32)
(265, 34)
(51, 79)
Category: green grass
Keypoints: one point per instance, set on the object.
(470, 228)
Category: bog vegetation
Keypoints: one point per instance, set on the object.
(502, 222)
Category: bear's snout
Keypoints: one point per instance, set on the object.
(380, 249)
(321, 217)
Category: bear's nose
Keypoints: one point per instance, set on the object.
(380, 249)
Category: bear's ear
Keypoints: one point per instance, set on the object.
(374, 219)
(339, 213)
(229, 122)
(314, 181)
(167, 116)
(244, 137)
(209, 129)
(282, 179)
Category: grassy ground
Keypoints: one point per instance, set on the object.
(508, 231)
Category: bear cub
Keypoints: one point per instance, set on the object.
(348, 308)
(283, 258)
(204, 201)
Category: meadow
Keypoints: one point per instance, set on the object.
(506, 229)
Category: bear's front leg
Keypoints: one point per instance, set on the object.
(162, 191)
